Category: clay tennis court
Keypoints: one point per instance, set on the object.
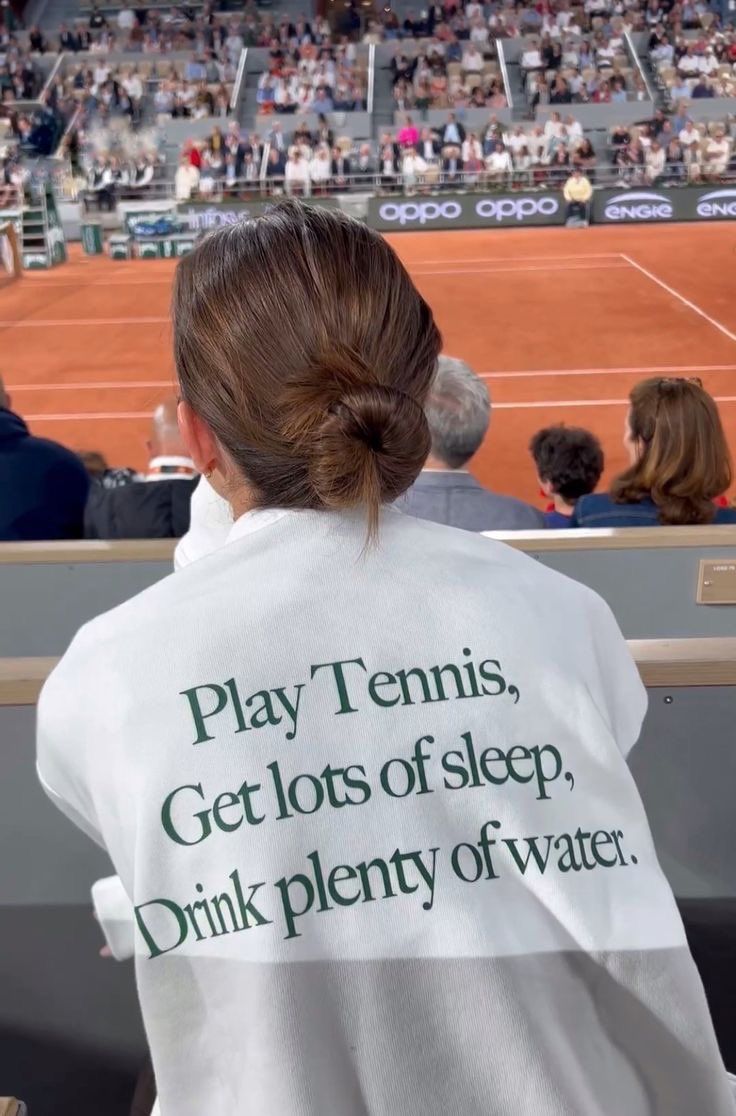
(560, 322)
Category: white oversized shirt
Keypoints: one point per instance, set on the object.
(371, 806)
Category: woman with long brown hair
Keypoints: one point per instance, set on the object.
(680, 462)
(372, 812)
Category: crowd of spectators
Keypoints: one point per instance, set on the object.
(671, 151)
(698, 66)
(443, 72)
(574, 68)
(307, 73)
(116, 165)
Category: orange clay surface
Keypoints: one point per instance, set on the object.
(559, 322)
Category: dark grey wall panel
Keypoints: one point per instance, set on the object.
(685, 768)
(45, 858)
(42, 606)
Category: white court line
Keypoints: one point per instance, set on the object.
(519, 270)
(26, 323)
(638, 370)
(582, 403)
(113, 385)
(521, 259)
(641, 369)
(73, 416)
(676, 294)
(536, 404)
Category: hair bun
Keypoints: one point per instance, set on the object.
(365, 442)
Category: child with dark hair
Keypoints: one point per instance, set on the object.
(569, 464)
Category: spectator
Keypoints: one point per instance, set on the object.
(453, 132)
(409, 134)
(365, 163)
(577, 192)
(429, 146)
(100, 473)
(499, 165)
(282, 592)
(413, 169)
(341, 169)
(275, 168)
(187, 179)
(680, 463)
(674, 172)
(296, 173)
(569, 463)
(157, 505)
(716, 155)
(458, 412)
(585, 158)
(702, 89)
(320, 168)
(654, 163)
(43, 486)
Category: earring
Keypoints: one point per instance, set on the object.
(209, 470)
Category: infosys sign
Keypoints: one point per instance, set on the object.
(685, 203)
(468, 211)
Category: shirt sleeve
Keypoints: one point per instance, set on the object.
(60, 749)
(624, 696)
(114, 912)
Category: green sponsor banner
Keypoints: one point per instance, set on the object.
(642, 204)
(201, 216)
(466, 211)
(91, 239)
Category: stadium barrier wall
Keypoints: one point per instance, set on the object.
(647, 204)
(648, 576)
(69, 1022)
(547, 207)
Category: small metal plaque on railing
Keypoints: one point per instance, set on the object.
(716, 582)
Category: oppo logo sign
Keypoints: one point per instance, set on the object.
(641, 206)
(420, 213)
(516, 209)
(719, 203)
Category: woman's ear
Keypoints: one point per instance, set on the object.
(199, 440)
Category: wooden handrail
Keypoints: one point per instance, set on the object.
(671, 663)
(83, 550)
(162, 550)
(619, 538)
(21, 679)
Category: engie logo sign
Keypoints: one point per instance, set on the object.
(466, 211)
(717, 204)
(641, 205)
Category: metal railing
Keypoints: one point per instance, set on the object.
(371, 77)
(435, 181)
(637, 62)
(239, 81)
(504, 73)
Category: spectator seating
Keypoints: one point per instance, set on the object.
(50, 589)
(700, 65)
(430, 73)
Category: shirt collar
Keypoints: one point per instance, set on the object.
(255, 520)
(170, 467)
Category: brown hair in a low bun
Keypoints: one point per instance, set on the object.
(302, 342)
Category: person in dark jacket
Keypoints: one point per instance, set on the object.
(155, 506)
(43, 486)
(458, 413)
(680, 464)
